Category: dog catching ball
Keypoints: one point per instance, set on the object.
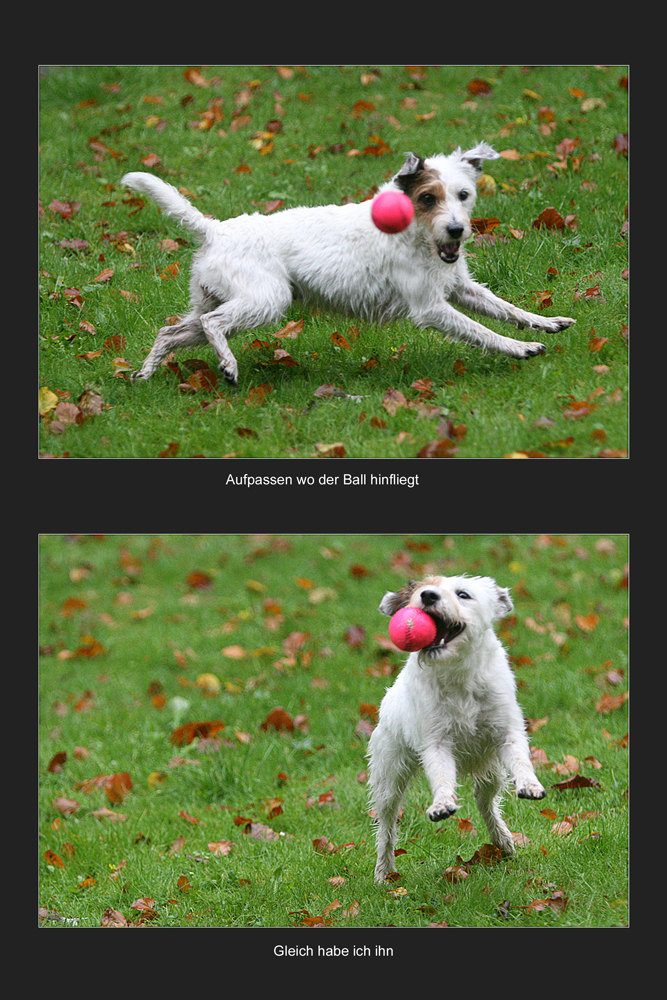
(411, 629)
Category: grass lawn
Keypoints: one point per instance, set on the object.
(205, 707)
(242, 139)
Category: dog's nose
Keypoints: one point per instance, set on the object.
(429, 597)
(456, 232)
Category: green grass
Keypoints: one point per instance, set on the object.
(98, 122)
(157, 633)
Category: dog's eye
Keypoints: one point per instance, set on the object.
(427, 199)
(464, 195)
(464, 595)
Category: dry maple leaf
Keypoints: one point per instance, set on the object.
(112, 918)
(278, 718)
(203, 730)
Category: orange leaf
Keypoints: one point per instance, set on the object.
(550, 219)
(278, 718)
(104, 275)
(53, 859)
(340, 341)
(202, 730)
(587, 622)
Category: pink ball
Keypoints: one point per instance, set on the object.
(411, 628)
(392, 211)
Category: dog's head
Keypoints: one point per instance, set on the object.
(462, 607)
(442, 190)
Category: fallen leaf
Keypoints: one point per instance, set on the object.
(279, 719)
(578, 781)
(202, 730)
(53, 859)
(608, 702)
(550, 218)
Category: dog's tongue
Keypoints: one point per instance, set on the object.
(449, 251)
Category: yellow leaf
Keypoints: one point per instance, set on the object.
(47, 400)
(209, 684)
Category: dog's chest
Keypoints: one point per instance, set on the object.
(464, 719)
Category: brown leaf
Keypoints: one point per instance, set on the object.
(221, 847)
(439, 448)
(340, 341)
(608, 702)
(112, 918)
(67, 806)
(53, 859)
(479, 88)
(65, 208)
(550, 219)
(355, 636)
(279, 719)
(578, 781)
(56, 763)
(393, 399)
(191, 730)
(146, 906)
(334, 450)
(104, 275)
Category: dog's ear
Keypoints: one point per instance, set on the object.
(391, 603)
(476, 156)
(503, 601)
(409, 172)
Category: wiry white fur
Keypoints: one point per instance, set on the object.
(453, 711)
(250, 268)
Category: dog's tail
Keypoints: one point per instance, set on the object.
(169, 199)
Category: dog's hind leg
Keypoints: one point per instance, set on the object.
(235, 315)
(187, 331)
(389, 776)
(488, 792)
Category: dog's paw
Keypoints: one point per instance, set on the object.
(230, 375)
(383, 870)
(553, 324)
(531, 790)
(562, 322)
(531, 350)
(441, 810)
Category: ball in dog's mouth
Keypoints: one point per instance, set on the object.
(446, 631)
(449, 252)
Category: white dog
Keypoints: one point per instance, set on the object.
(250, 268)
(452, 711)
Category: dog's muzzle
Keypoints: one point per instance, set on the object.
(449, 252)
(446, 631)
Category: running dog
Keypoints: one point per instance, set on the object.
(452, 711)
(249, 269)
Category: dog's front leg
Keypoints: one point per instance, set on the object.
(440, 769)
(515, 755)
(482, 300)
(443, 317)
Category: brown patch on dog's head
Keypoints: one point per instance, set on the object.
(393, 602)
(423, 186)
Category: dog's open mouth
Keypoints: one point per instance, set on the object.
(446, 631)
(449, 252)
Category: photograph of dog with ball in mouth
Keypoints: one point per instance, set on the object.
(399, 257)
(452, 710)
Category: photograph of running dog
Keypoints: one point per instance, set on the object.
(249, 269)
(453, 712)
